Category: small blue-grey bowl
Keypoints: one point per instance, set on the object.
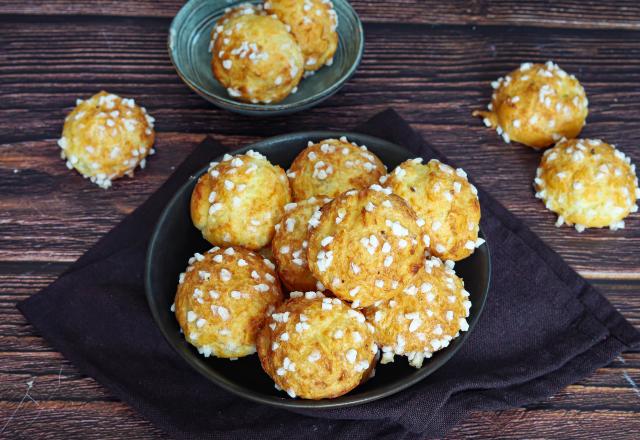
(188, 44)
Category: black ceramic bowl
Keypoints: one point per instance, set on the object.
(175, 239)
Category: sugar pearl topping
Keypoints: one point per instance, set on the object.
(118, 136)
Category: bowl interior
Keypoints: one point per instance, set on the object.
(175, 239)
(189, 38)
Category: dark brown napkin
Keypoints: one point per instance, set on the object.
(543, 327)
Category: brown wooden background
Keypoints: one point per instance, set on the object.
(432, 61)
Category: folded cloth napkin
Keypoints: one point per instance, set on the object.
(543, 327)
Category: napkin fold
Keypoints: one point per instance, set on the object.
(543, 328)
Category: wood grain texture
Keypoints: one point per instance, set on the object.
(435, 79)
(74, 403)
(546, 13)
(432, 61)
(115, 420)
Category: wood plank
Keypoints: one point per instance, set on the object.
(517, 424)
(59, 380)
(64, 420)
(115, 420)
(54, 378)
(565, 13)
(138, 8)
(593, 398)
(59, 388)
(64, 387)
(63, 384)
(433, 78)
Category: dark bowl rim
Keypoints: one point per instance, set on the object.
(269, 109)
(282, 402)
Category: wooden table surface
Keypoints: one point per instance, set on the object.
(431, 61)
